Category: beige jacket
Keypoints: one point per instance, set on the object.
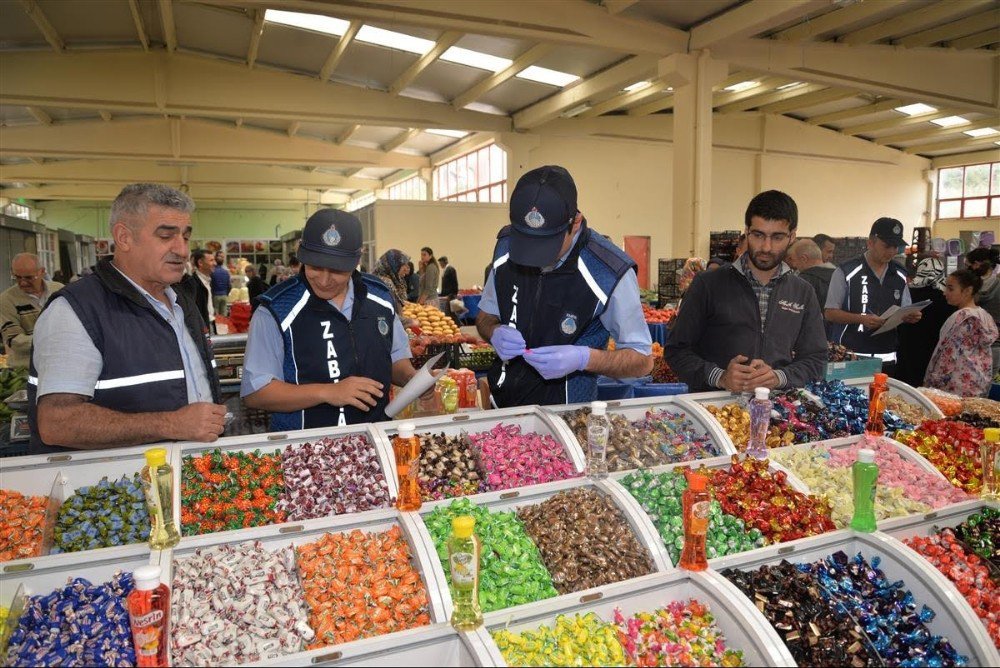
(18, 314)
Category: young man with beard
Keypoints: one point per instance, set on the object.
(753, 323)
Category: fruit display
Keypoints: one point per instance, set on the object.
(431, 322)
(658, 316)
(11, 380)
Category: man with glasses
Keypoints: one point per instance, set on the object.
(753, 323)
(863, 288)
(20, 306)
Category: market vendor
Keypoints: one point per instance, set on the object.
(20, 306)
(326, 344)
(557, 292)
(121, 358)
(752, 323)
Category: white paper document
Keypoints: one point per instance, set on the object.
(422, 381)
(894, 315)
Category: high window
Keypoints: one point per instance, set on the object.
(412, 188)
(479, 176)
(972, 191)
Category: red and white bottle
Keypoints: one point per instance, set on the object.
(149, 617)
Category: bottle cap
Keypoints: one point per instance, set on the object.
(866, 456)
(992, 435)
(762, 393)
(406, 430)
(598, 407)
(881, 378)
(147, 577)
(463, 525)
(696, 481)
(156, 457)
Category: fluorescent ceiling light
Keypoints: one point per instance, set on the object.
(950, 121)
(794, 84)
(638, 85)
(982, 132)
(575, 111)
(547, 76)
(394, 40)
(315, 22)
(457, 134)
(916, 109)
(743, 85)
(483, 61)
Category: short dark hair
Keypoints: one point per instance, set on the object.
(821, 239)
(293, 261)
(773, 205)
(198, 254)
(968, 279)
(443, 258)
(990, 255)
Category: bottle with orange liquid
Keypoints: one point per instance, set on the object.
(406, 448)
(876, 405)
(149, 616)
(696, 502)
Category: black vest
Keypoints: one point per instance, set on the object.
(322, 346)
(143, 369)
(865, 294)
(561, 307)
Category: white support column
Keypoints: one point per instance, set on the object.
(426, 175)
(692, 169)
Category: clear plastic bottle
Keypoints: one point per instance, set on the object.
(598, 433)
(864, 473)
(876, 405)
(760, 422)
(149, 616)
(463, 558)
(158, 483)
(697, 502)
(991, 465)
(406, 448)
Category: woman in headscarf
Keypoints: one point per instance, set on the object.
(917, 341)
(392, 268)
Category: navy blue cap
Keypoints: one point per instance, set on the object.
(331, 239)
(889, 230)
(542, 209)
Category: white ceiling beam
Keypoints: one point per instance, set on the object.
(256, 32)
(768, 98)
(105, 115)
(617, 6)
(36, 14)
(444, 42)
(200, 194)
(935, 132)
(346, 133)
(960, 159)
(911, 21)
(293, 128)
(169, 27)
(40, 115)
(140, 28)
(722, 97)
(975, 41)
(807, 100)
(625, 99)
(352, 172)
(855, 112)
(338, 51)
(122, 172)
(647, 128)
(814, 27)
(182, 84)
(969, 143)
(555, 21)
(898, 121)
(192, 140)
(653, 107)
(521, 63)
(400, 139)
(926, 74)
(953, 30)
(750, 18)
(624, 73)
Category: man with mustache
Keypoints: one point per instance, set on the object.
(121, 358)
(753, 323)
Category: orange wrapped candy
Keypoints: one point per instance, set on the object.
(22, 524)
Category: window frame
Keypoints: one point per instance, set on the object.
(992, 199)
(465, 169)
(413, 188)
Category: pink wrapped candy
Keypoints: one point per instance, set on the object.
(895, 470)
(512, 459)
(332, 476)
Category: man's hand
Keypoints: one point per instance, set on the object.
(558, 361)
(508, 342)
(737, 375)
(202, 421)
(871, 321)
(358, 391)
(911, 318)
(763, 375)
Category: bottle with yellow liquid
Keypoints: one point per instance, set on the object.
(463, 557)
(991, 465)
(158, 483)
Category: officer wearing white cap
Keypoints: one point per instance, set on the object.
(325, 344)
(557, 292)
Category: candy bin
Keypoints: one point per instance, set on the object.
(835, 600)
(952, 447)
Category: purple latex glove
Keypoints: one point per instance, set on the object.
(507, 341)
(558, 361)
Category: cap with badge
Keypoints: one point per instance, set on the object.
(542, 209)
(331, 239)
(890, 231)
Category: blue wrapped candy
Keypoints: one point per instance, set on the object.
(103, 515)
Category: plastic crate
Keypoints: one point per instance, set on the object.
(867, 366)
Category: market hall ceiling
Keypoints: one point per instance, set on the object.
(224, 97)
